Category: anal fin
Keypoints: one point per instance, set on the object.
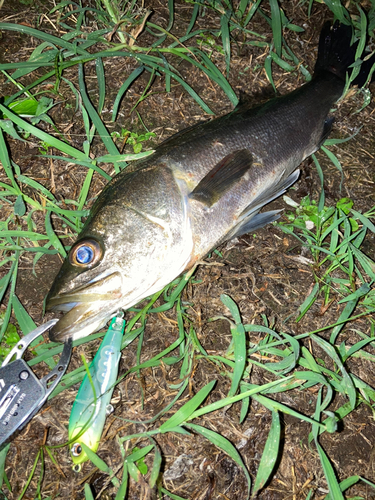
(270, 194)
(256, 222)
(250, 219)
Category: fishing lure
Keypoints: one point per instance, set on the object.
(92, 403)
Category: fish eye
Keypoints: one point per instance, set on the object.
(76, 450)
(85, 253)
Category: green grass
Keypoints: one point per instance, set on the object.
(334, 240)
(334, 236)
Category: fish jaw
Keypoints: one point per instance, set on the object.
(87, 309)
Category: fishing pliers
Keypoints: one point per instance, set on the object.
(22, 394)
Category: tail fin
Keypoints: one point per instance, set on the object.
(336, 54)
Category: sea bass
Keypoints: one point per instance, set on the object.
(200, 188)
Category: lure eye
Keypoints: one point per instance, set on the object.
(76, 450)
(86, 253)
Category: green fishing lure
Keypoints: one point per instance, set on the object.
(92, 403)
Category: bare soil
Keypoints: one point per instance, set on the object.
(262, 273)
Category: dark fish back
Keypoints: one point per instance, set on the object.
(285, 127)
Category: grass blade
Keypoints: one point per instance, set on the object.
(239, 343)
(124, 87)
(270, 454)
(3, 454)
(308, 302)
(43, 136)
(347, 381)
(346, 313)
(96, 120)
(225, 37)
(225, 445)
(98, 462)
(188, 408)
(88, 492)
(333, 485)
(101, 83)
(276, 26)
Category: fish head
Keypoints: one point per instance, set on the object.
(122, 255)
(88, 287)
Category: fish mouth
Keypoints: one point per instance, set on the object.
(87, 308)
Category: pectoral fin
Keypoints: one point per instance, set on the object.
(222, 177)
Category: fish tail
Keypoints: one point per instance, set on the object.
(336, 53)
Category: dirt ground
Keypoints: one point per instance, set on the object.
(263, 274)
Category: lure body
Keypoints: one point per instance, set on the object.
(90, 409)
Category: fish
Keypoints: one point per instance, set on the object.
(200, 188)
(92, 403)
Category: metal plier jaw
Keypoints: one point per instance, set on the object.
(22, 394)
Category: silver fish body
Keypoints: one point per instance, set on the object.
(200, 188)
